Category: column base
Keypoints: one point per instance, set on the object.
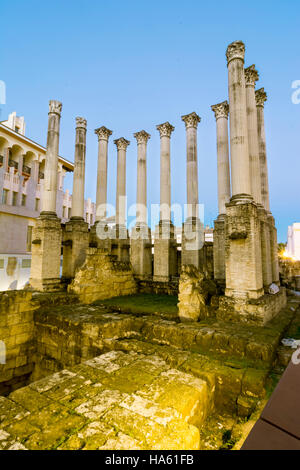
(120, 244)
(165, 252)
(243, 259)
(141, 251)
(265, 248)
(75, 244)
(253, 312)
(46, 253)
(192, 242)
(219, 249)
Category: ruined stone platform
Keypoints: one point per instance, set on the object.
(143, 362)
(114, 401)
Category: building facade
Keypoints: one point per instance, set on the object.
(22, 165)
(293, 242)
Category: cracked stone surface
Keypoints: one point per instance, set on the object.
(114, 401)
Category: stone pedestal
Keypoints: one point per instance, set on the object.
(75, 244)
(165, 252)
(120, 243)
(243, 263)
(254, 312)
(219, 249)
(274, 250)
(141, 251)
(192, 242)
(265, 248)
(46, 254)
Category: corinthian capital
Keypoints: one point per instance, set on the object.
(103, 133)
(235, 50)
(260, 97)
(191, 120)
(221, 110)
(142, 137)
(121, 143)
(251, 75)
(165, 129)
(81, 122)
(55, 107)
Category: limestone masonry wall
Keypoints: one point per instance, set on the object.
(17, 339)
(102, 277)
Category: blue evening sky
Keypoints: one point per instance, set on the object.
(130, 65)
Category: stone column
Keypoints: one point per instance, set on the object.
(141, 244)
(119, 242)
(103, 135)
(251, 76)
(122, 145)
(243, 259)
(47, 233)
(239, 151)
(76, 235)
(79, 170)
(51, 164)
(193, 232)
(165, 247)
(191, 123)
(221, 111)
(142, 138)
(261, 97)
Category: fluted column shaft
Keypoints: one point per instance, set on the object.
(101, 193)
(142, 138)
(221, 111)
(165, 131)
(79, 170)
(122, 145)
(251, 76)
(191, 123)
(261, 97)
(51, 165)
(240, 168)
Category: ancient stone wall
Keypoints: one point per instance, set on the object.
(102, 277)
(148, 286)
(16, 339)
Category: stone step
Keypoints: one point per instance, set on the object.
(114, 401)
(237, 386)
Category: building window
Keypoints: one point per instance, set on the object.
(15, 198)
(29, 238)
(4, 196)
(37, 204)
(17, 129)
(69, 213)
(23, 199)
(26, 263)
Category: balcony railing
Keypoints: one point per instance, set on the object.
(26, 169)
(12, 163)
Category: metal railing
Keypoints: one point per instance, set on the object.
(12, 163)
(26, 169)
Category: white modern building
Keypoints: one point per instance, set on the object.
(22, 163)
(293, 242)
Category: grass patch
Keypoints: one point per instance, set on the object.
(152, 304)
